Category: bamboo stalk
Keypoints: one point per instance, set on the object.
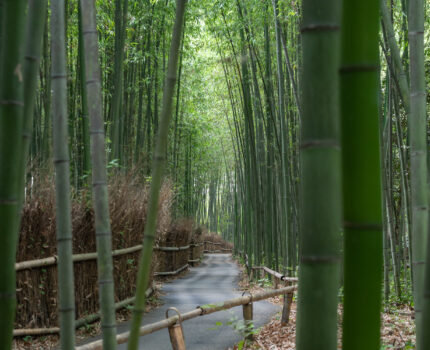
(63, 218)
(199, 311)
(362, 214)
(417, 123)
(11, 117)
(320, 180)
(159, 164)
(99, 174)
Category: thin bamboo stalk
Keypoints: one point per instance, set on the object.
(62, 176)
(11, 120)
(33, 47)
(99, 175)
(417, 123)
(159, 163)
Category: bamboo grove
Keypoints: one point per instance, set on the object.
(297, 130)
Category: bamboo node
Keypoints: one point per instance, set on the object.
(103, 234)
(360, 67)
(416, 32)
(314, 259)
(58, 76)
(320, 143)
(7, 295)
(66, 309)
(320, 27)
(92, 81)
(31, 58)
(362, 226)
(63, 239)
(12, 103)
(8, 202)
(108, 281)
(59, 161)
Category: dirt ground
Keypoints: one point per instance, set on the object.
(397, 330)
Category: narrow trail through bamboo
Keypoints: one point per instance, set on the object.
(215, 280)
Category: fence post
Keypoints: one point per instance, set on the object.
(247, 317)
(288, 299)
(176, 332)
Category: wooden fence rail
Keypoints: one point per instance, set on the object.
(38, 263)
(275, 274)
(199, 311)
(78, 323)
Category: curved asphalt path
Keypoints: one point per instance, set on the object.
(213, 281)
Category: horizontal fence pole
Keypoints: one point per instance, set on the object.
(275, 274)
(78, 323)
(25, 265)
(199, 311)
(169, 273)
(172, 249)
(212, 243)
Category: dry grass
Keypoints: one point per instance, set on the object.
(215, 238)
(37, 289)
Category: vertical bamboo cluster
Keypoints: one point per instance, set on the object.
(361, 175)
(418, 153)
(320, 190)
(159, 163)
(62, 175)
(33, 47)
(99, 175)
(11, 122)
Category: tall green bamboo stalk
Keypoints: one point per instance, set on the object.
(11, 122)
(33, 48)
(99, 175)
(84, 101)
(400, 77)
(320, 186)
(158, 166)
(120, 31)
(418, 152)
(361, 175)
(62, 173)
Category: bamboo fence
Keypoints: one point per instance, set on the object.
(199, 311)
(52, 261)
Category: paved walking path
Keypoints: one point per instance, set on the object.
(214, 280)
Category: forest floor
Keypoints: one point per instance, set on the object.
(397, 330)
